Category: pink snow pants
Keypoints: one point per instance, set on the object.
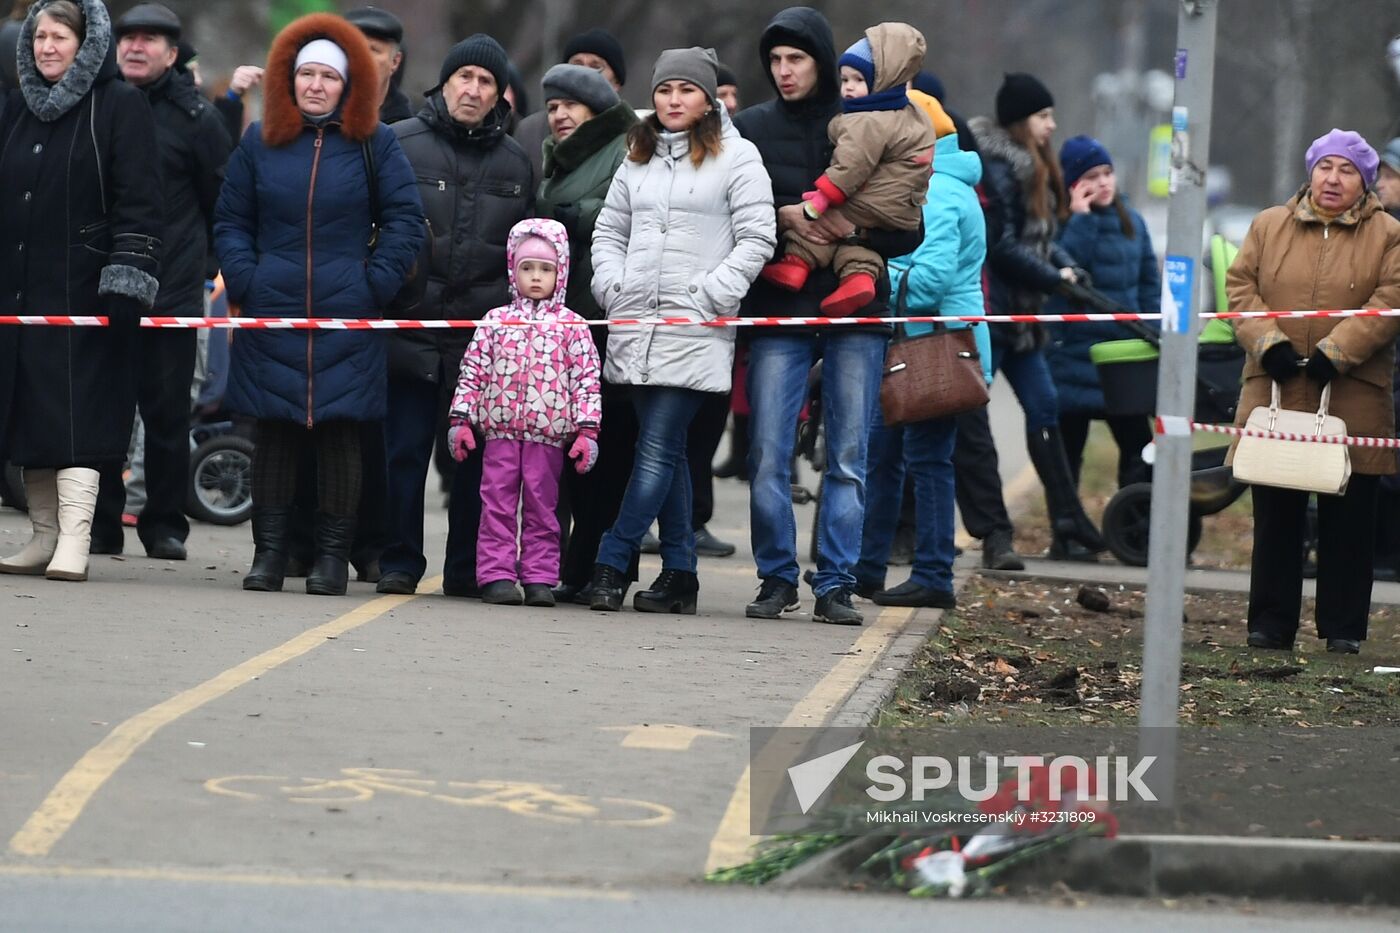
(520, 475)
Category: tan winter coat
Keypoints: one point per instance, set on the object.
(1292, 261)
(883, 158)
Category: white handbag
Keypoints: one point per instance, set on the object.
(1300, 465)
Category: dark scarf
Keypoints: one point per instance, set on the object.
(889, 99)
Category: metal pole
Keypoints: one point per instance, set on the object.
(1176, 393)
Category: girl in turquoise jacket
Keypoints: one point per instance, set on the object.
(942, 277)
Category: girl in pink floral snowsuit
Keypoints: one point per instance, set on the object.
(531, 391)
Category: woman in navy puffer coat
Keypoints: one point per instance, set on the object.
(1110, 241)
(292, 230)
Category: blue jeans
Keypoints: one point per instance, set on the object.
(777, 388)
(1030, 379)
(926, 451)
(659, 488)
(409, 432)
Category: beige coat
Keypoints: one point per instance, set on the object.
(883, 158)
(1292, 261)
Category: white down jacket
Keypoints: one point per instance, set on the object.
(676, 241)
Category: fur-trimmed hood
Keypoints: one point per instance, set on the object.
(95, 62)
(996, 143)
(359, 111)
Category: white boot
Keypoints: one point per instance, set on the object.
(41, 489)
(77, 500)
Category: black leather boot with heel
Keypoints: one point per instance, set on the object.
(1068, 520)
(606, 588)
(271, 531)
(330, 571)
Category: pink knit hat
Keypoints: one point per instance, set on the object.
(538, 248)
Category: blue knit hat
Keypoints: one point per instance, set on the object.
(1079, 154)
(861, 57)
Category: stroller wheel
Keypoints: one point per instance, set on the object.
(1127, 523)
(221, 481)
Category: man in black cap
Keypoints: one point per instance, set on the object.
(595, 48)
(458, 135)
(384, 31)
(727, 89)
(194, 146)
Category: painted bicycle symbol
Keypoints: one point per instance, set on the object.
(523, 798)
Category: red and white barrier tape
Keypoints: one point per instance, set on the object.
(301, 323)
(1176, 426)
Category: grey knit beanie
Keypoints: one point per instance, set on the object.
(585, 85)
(696, 65)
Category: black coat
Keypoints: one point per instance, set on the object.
(194, 148)
(792, 139)
(475, 184)
(80, 235)
(1023, 259)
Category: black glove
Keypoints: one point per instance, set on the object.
(1281, 362)
(123, 314)
(1320, 368)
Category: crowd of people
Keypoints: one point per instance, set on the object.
(566, 444)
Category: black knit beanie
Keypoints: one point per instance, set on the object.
(602, 43)
(1020, 96)
(482, 51)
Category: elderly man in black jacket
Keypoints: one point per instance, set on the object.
(799, 53)
(194, 147)
(476, 183)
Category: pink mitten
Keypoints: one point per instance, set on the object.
(817, 204)
(584, 452)
(460, 440)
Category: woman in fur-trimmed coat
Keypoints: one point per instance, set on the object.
(293, 231)
(82, 215)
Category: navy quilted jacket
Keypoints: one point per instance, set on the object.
(289, 249)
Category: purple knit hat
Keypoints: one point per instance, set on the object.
(1350, 146)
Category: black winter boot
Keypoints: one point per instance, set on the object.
(607, 586)
(674, 591)
(271, 530)
(330, 573)
(1067, 518)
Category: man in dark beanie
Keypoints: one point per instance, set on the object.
(459, 134)
(728, 90)
(798, 51)
(194, 147)
(384, 32)
(597, 49)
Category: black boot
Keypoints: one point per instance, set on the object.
(271, 528)
(607, 587)
(1067, 518)
(330, 574)
(674, 592)
(736, 465)
(1070, 550)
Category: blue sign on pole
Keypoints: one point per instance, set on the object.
(1178, 278)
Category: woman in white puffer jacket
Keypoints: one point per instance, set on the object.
(687, 225)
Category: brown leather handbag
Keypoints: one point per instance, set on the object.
(933, 375)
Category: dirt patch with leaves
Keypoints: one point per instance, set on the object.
(1043, 654)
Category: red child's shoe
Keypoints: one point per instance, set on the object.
(855, 292)
(789, 273)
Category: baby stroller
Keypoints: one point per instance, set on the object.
(1128, 373)
(220, 489)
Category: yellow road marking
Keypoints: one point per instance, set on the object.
(663, 736)
(65, 803)
(184, 875)
(732, 843)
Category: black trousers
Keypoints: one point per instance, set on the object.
(976, 477)
(701, 442)
(1346, 533)
(283, 447)
(594, 499)
(165, 374)
(1131, 434)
